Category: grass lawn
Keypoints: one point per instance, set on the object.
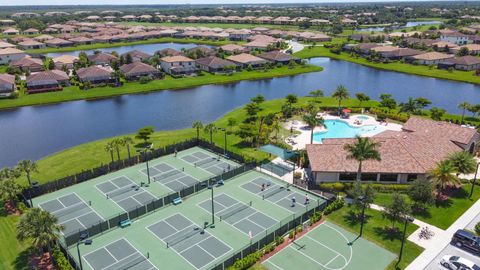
(374, 230)
(442, 215)
(3, 69)
(74, 93)
(13, 254)
(456, 75)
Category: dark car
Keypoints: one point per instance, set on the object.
(466, 240)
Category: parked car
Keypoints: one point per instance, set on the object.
(466, 240)
(458, 263)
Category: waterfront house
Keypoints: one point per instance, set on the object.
(455, 37)
(31, 44)
(28, 63)
(168, 52)
(245, 60)
(31, 31)
(215, 64)
(102, 58)
(406, 155)
(80, 40)
(137, 56)
(431, 58)
(261, 45)
(465, 63)
(7, 85)
(279, 57)
(65, 61)
(473, 49)
(178, 65)
(96, 75)
(8, 55)
(233, 49)
(136, 70)
(58, 43)
(47, 81)
(199, 52)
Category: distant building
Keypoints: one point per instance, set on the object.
(8, 55)
(96, 75)
(7, 85)
(215, 64)
(29, 64)
(47, 81)
(244, 60)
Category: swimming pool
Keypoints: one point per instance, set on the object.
(341, 129)
(362, 117)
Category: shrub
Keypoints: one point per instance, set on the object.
(246, 262)
(60, 261)
(13, 95)
(333, 206)
(291, 235)
(315, 217)
(269, 248)
(279, 240)
(145, 79)
(297, 175)
(299, 229)
(477, 228)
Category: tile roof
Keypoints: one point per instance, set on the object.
(432, 56)
(10, 51)
(464, 60)
(176, 58)
(213, 61)
(65, 59)
(276, 56)
(102, 57)
(50, 75)
(27, 61)
(93, 72)
(138, 68)
(168, 52)
(7, 78)
(245, 58)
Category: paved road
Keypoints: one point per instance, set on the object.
(451, 250)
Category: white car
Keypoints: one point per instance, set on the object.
(458, 263)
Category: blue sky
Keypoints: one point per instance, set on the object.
(133, 2)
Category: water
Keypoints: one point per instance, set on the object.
(36, 131)
(341, 129)
(146, 48)
(408, 24)
(363, 117)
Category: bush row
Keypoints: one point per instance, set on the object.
(345, 187)
(384, 114)
(333, 206)
(60, 261)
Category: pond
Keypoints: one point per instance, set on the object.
(408, 24)
(36, 131)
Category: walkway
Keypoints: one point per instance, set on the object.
(294, 46)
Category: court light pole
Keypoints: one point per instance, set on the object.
(144, 152)
(474, 180)
(213, 205)
(362, 217)
(407, 220)
(225, 140)
(82, 240)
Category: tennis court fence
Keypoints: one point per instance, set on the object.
(104, 169)
(150, 207)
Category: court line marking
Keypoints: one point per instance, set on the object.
(307, 256)
(282, 198)
(344, 237)
(329, 248)
(102, 247)
(332, 260)
(138, 251)
(256, 194)
(89, 206)
(270, 262)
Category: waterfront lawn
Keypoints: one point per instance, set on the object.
(441, 215)
(456, 75)
(74, 93)
(375, 230)
(13, 254)
(3, 68)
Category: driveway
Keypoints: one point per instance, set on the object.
(451, 250)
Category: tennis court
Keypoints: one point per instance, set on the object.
(327, 247)
(279, 194)
(125, 193)
(209, 162)
(238, 214)
(190, 241)
(172, 178)
(118, 255)
(72, 212)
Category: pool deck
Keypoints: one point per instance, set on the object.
(299, 141)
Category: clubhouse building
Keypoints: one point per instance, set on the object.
(406, 155)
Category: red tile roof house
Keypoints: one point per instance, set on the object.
(31, 44)
(245, 60)
(465, 63)
(178, 65)
(405, 155)
(233, 49)
(29, 64)
(65, 61)
(96, 75)
(431, 58)
(58, 42)
(137, 56)
(102, 58)
(215, 64)
(279, 57)
(168, 52)
(201, 51)
(261, 45)
(7, 85)
(47, 81)
(31, 31)
(81, 40)
(8, 55)
(136, 70)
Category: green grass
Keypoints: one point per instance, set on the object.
(374, 230)
(456, 75)
(444, 214)
(74, 93)
(3, 69)
(119, 44)
(13, 254)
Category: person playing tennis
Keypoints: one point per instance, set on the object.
(293, 201)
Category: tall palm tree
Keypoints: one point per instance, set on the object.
(210, 128)
(312, 121)
(109, 147)
(117, 143)
(40, 227)
(27, 167)
(340, 94)
(361, 150)
(7, 173)
(464, 106)
(276, 127)
(409, 107)
(197, 125)
(443, 175)
(463, 162)
(9, 190)
(127, 141)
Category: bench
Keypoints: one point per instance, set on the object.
(125, 223)
(177, 201)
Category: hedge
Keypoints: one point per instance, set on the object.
(60, 261)
(344, 187)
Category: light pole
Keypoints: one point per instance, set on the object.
(407, 220)
(32, 185)
(213, 205)
(144, 152)
(474, 180)
(82, 240)
(362, 217)
(225, 140)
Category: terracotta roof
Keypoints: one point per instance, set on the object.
(232, 47)
(168, 52)
(93, 72)
(138, 68)
(4, 45)
(102, 57)
(10, 51)
(57, 41)
(387, 48)
(30, 42)
(464, 60)
(215, 62)
(276, 56)
(7, 79)
(432, 56)
(258, 43)
(27, 61)
(50, 75)
(245, 58)
(65, 59)
(203, 49)
(177, 58)
(137, 54)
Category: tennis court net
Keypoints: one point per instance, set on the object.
(235, 210)
(270, 193)
(183, 237)
(206, 161)
(121, 191)
(128, 262)
(169, 174)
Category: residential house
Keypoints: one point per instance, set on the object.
(431, 58)
(81, 40)
(168, 52)
(58, 43)
(65, 61)
(473, 49)
(96, 75)
(443, 46)
(47, 81)
(8, 55)
(136, 70)
(178, 65)
(4, 45)
(31, 31)
(137, 56)
(241, 34)
(102, 58)
(365, 48)
(215, 64)
(11, 32)
(7, 85)
(465, 63)
(29, 64)
(200, 52)
(233, 49)
(455, 37)
(279, 57)
(261, 45)
(31, 44)
(245, 60)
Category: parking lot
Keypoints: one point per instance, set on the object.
(451, 250)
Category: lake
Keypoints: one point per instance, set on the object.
(36, 131)
(408, 24)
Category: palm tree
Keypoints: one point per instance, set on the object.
(197, 125)
(363, 149)
(27, 167)
(463, 162)
(7, 173)
(127, 141)
(276, 127)
(40, 227)
(9, 190)
(210, 128)
(464, 106)
(117, 143)
(109, 147)
(312, 121)
(340, 94)
(443, 175)
(409, 107)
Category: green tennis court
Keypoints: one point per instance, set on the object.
(327, 247)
